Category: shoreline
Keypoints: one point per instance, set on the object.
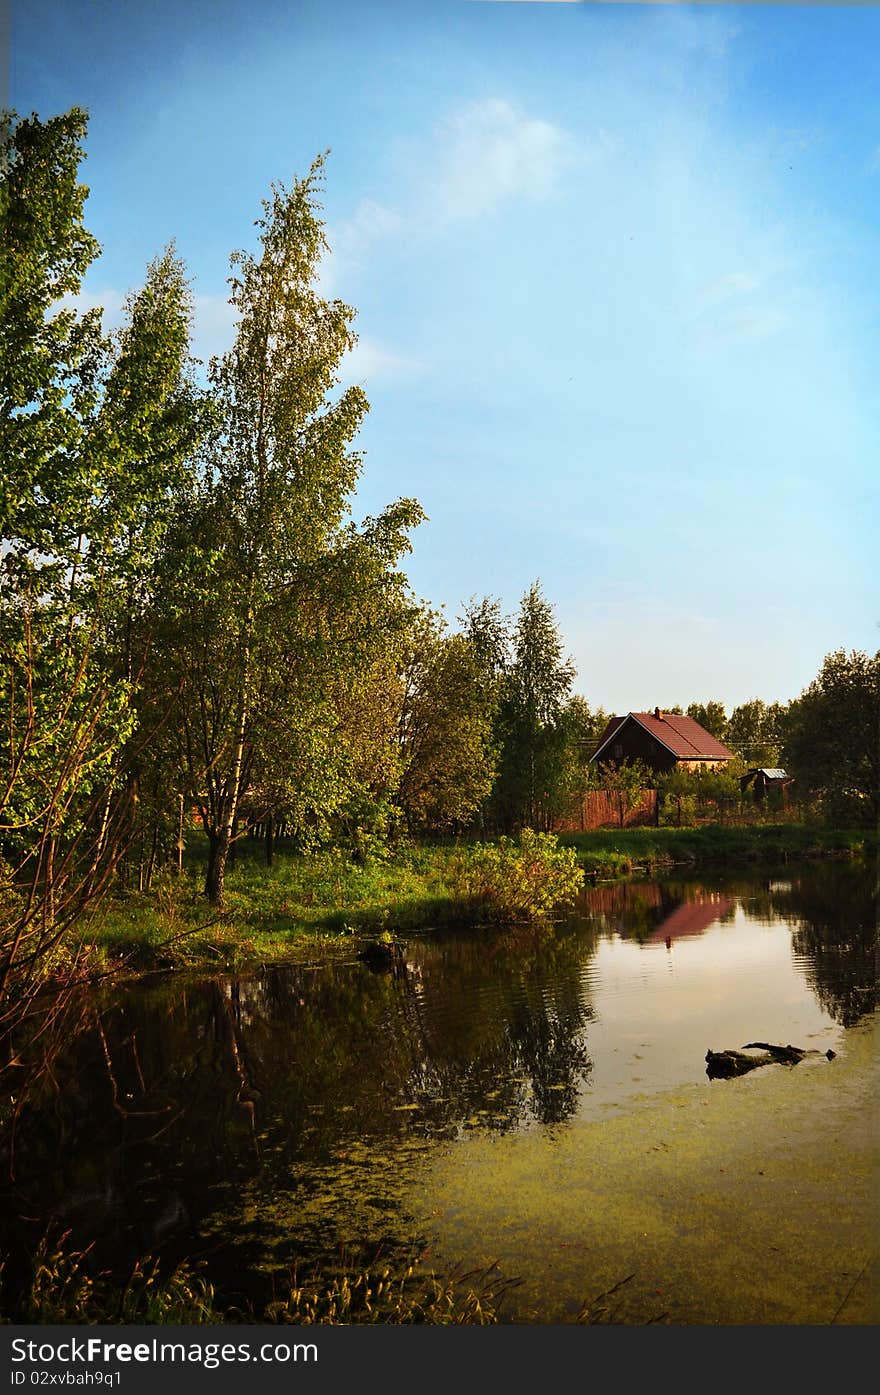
(326, 903)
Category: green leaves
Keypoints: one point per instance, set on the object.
(95, 437)
(519, 880)
(831, 741)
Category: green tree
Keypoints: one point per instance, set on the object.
(536, 688)
(753, 732)
(94, 434)
(625, 782)
(274, 592)
(445, 730)
(832, 741)
(580, 727)
(677, 787)
(710, 715)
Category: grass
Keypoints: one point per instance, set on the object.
(327, 903)
(63, 1287)
(618, 852)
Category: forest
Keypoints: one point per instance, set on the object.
(199, 639)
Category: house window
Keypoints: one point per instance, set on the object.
(617, 749)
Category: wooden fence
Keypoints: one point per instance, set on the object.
(600, 809)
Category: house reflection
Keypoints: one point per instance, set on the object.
(691, 918)
(656, 912)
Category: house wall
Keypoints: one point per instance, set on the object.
(637, 744)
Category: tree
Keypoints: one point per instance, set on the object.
(580, 728)
(679, 785)
(625, 782)
(445, 730)
(95, 433)
(274, 593)
(711, 716)
(753, 732)
(831, 742)
(536, 688)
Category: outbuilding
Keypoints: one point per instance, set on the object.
(763, 780)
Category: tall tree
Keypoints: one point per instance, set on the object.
(276, 591)
(536, 689)
(445, 729)
(753, 732)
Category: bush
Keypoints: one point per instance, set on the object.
(522, 879)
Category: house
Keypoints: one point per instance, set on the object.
(662, 741)
(764, 780)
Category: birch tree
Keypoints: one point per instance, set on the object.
(273, 590)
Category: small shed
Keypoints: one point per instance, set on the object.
(763, 780)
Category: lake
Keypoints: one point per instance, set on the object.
(535, 1098)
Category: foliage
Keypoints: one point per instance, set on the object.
(381, 1295)
(611, 853)
(711, 716)
(444, 730)
(522, 879)
(95, 434)
(535, 687)
(831, 743)
(63, 1287)
(754, 732)
(625, 782)
(274, 600)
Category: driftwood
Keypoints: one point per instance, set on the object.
(724, 1065)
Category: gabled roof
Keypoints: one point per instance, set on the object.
(691, 918)
(684, 737)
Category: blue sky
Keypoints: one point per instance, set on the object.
(615, 269)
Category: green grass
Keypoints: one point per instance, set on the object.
(302, 903)
(617, 852)
(63, 1287)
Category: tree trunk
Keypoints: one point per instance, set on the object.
(270, 831)
(218, 852)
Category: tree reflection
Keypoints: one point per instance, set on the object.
(833, 911)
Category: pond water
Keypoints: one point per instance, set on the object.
(535, 1098)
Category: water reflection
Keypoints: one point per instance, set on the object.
(282, 1115)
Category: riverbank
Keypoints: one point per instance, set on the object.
(620, 852)
(327, 904)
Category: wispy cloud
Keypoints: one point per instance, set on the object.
(368, 361)
(106, 298)
(487, 153)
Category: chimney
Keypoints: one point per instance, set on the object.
(658, 714)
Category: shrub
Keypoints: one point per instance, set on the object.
(522, 879)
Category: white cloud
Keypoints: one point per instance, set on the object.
(107, 298)
(729, 286)
(368, 361)
(488, 152)
(351, 240)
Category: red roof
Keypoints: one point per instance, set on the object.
(691, 918)
(684, 737)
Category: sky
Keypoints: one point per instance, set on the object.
(615, 269)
